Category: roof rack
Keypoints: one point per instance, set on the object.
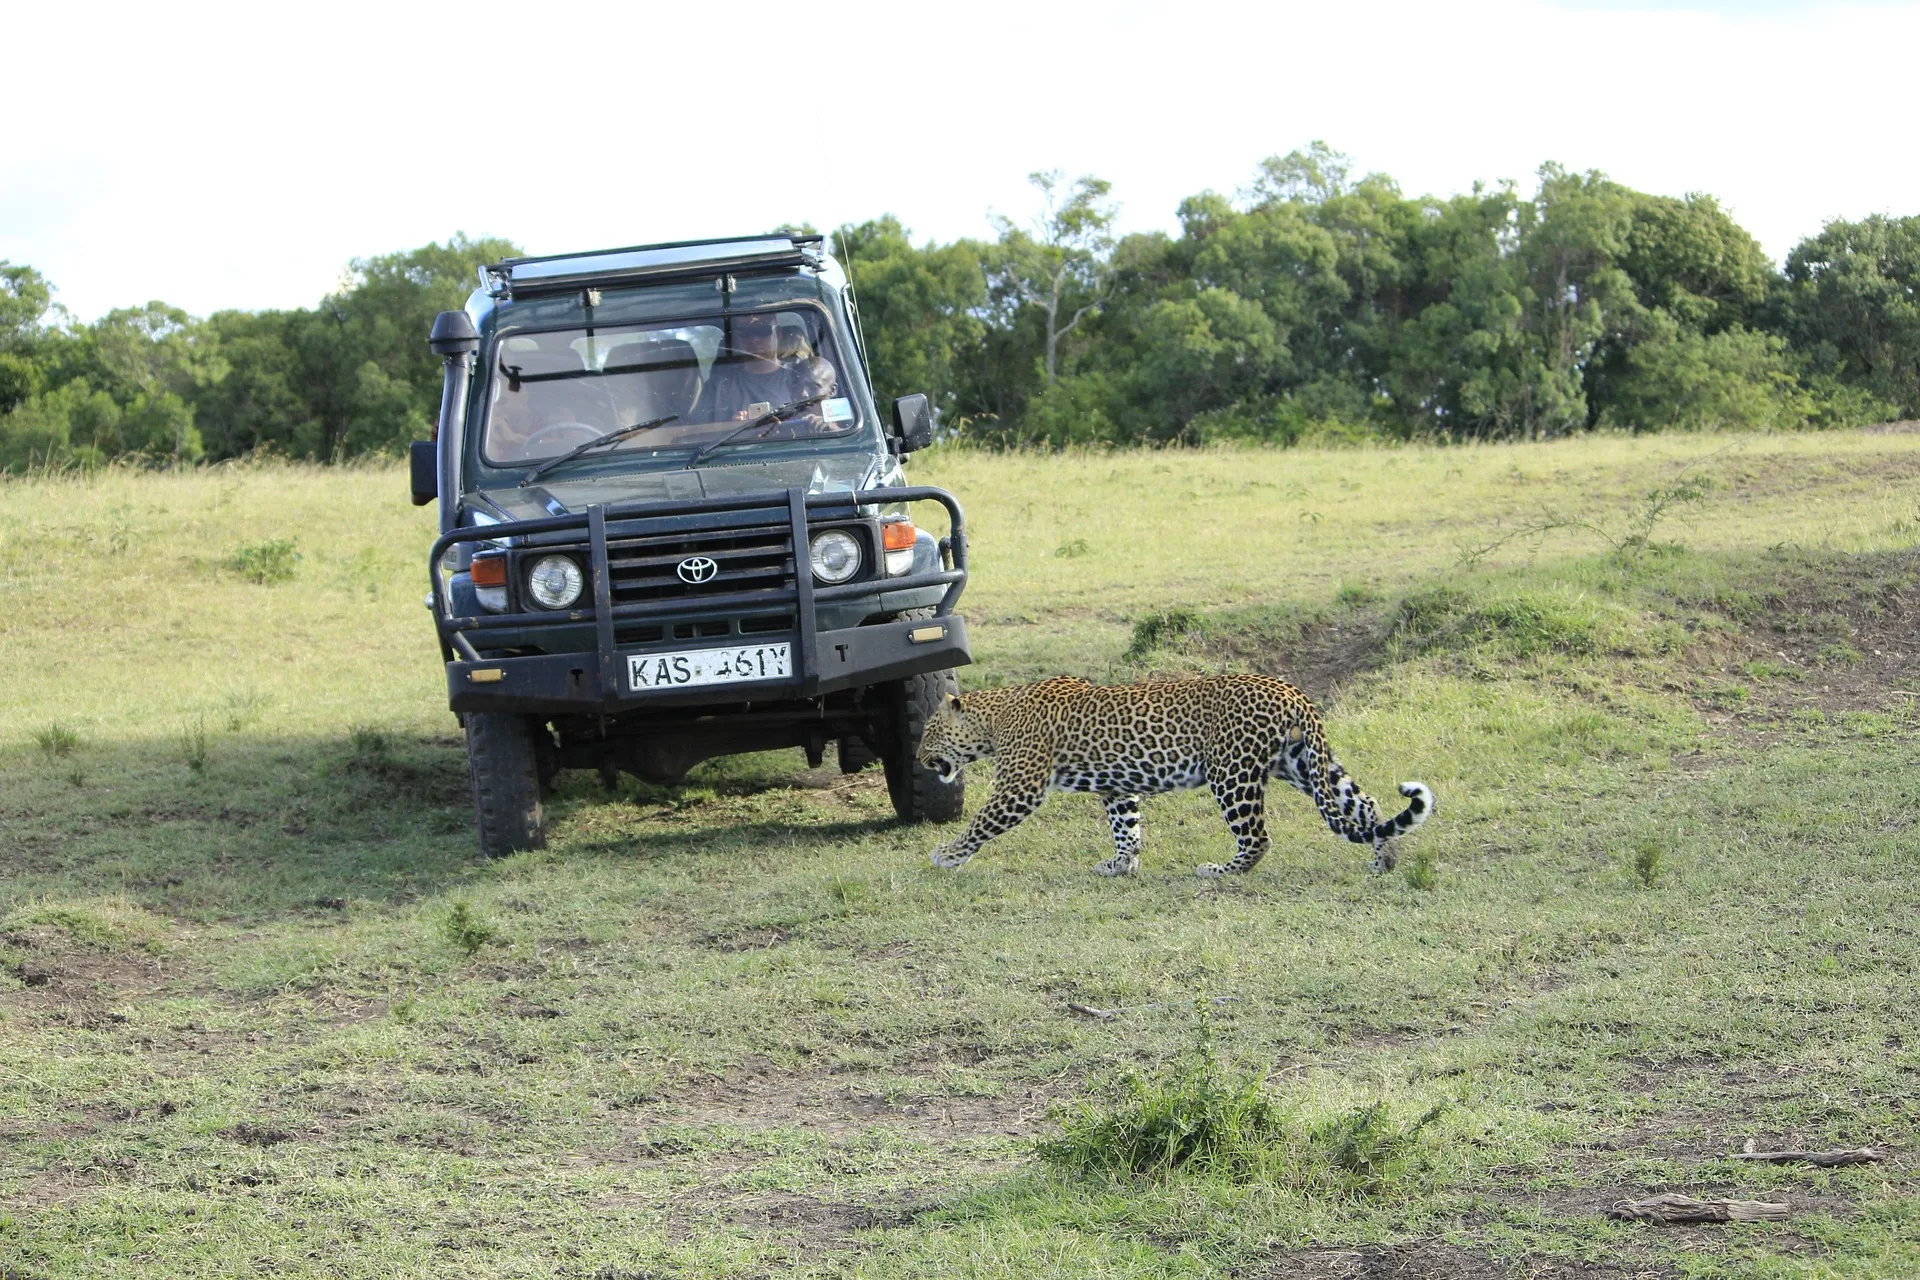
(679, 259)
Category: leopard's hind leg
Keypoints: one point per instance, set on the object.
(1123, 817)
(1242, 797)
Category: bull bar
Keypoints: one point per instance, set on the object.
(822, 661)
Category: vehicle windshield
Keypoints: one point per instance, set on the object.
(552, 392)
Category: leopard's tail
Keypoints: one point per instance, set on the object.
(1350, 812)
(1419, 804)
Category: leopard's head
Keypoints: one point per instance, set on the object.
(954, 738)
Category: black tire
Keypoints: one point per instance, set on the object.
(917, 792)
(503, 751)
(855, 754)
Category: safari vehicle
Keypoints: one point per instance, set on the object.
(674, 526)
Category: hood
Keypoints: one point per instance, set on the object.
(559, 496)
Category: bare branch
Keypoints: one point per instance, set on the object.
(1674, 1207)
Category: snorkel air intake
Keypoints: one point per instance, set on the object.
(454, 339)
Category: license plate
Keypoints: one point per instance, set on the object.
(708, 666)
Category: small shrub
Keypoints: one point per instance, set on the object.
(1422, 869)
(77, 776)
(1647, 858)
(1364, 1149)
(244, 707)
(1840, 654)
(465, 930)
(1352, 597)
(1426, 613)
(1158, 630)
(56, 740)
(1522, 624)
(1728, 696)
(1194, 1115)
(1199, 1117)
(193, 743)
(1072, 550)
(371, 745)
(846, 892)
(266, 563)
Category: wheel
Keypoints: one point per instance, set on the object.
(855, 754)
(917, 792)
(503, 751)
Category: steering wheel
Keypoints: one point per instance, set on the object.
(584, 432)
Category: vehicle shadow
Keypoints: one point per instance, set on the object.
(723, 838)
(239, 823)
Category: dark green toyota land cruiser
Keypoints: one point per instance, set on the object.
(674, 525)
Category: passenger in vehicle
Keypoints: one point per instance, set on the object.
(769, 365)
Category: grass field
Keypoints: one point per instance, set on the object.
(263, 1011)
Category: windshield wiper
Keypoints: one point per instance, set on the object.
(595, 443)
(770, 416)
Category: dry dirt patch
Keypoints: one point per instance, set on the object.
(757, 1095)
(1839, 641)
(1434, 1260)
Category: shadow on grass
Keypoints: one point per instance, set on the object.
(667, 842)
(248, 824)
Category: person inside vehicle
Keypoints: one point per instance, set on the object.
(768, 365)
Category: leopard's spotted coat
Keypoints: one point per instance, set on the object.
(1120, 742)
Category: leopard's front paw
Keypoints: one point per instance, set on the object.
(1118, 865)
(947, 861)
(1210, 871)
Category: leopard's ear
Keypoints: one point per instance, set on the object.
(953, 702)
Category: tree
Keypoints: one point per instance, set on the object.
(1851, 304)
(919, 310)
(25, 297)
(259, 398)
(1313, 176)
(1689, 258)
(1061, 265)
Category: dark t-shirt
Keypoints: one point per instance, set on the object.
(734, 388)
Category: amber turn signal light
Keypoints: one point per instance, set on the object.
(489, 571)
(897, 536)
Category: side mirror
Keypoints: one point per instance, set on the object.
(423, 460)
(913, 422)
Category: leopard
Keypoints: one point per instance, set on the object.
(1229, 733)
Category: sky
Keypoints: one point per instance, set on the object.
(218, 157)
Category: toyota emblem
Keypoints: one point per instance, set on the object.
(697, 570)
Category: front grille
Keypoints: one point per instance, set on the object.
(646, 567)
(710, 629)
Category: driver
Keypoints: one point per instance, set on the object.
(768, 366)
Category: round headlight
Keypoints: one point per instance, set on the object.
(555, 582)
(836, 555)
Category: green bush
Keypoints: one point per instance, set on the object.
(1421, 869)
(1194, 1115)
(56, 739)
(1199, 1117)
(266, 563)
(1520, 624)
(193, 744)
(1158, 630)
(466, 930)
(1648, 855)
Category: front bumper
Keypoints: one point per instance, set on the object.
(568, 684)
(595, 680)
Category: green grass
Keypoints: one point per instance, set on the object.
(268, 1013)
